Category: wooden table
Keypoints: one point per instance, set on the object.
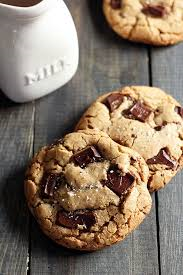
(106, 62)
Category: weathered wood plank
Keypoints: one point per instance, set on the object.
(16, 135)
(106, 62)
(167, 67)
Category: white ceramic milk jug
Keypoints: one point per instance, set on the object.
(38, 47)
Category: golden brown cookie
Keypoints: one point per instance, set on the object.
(147, 120)
(153, 22)
(86, 191)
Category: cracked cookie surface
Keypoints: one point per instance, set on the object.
(86, 191)
(153, 22)
(147, 120)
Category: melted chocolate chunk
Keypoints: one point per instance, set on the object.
(115, 4)
(139, 111)
(113, 101)
(162, 158)
(116, 182)
(87, 156)
(73, 219)
(156, 11)
(179, 110)
(50, 183)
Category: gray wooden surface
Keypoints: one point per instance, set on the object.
(106, 62)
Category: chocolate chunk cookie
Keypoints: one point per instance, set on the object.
(86, 191)
(153, 22)
(146, 120)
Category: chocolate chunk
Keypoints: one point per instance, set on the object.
(87, 156)
(139, 111)
(73, 219)
(116, 4)
(116, 182)
(162, 158)
(113, 101)
(50, 183)
(156, 11)
(179, 110)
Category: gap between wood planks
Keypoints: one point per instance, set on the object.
(30, 215)
(149, 49)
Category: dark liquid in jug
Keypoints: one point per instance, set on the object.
(20, 3)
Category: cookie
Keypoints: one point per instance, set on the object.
(147, 120)
(86, 191)
(153, 22)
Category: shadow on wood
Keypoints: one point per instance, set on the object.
(100, 23)
(13, 204)
(102, 27)
(5, 102)
(47, 245)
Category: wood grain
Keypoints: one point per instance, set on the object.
(167, 65)
(16, 136)
(106, 62)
